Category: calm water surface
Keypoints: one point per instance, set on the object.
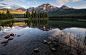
(31, 30)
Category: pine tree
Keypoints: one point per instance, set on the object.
(27, 15)
(43, 15)
(6, 15)
(33, 13)
(8, 12)
(38, 14)
(24, 15)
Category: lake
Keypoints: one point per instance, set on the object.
(30, 34)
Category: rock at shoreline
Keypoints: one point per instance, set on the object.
(7, 36)
(10, 38)
(53, 49)
(45, 42)
(36, 50)
(11, 34)
(5, 41)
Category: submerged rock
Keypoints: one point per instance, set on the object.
(18, 35)
(5, 41)
(45, 42)
(36, 50)
(12, 34)
(7, 36)
(10, 38)
(49, 42)
(56, 44)
(79, 52)
(5, 44)
(53, 49)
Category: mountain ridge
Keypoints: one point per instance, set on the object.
(48, 8)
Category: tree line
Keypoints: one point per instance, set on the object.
(68, 18)
(6, 15)
(34, 14)
(35, 23)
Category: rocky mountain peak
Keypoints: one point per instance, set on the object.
(48, 8)
(64, 7)
(21, 9)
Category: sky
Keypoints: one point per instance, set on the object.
(78, 4)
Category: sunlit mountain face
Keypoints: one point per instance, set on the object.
(48, 8)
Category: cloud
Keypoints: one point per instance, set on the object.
(75, 0)
(10, 6)
(2, 5)
(6, 0)
(12, 0)
(29, 3)
(62, 2)
(23, 0)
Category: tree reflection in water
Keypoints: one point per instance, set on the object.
(40, 24)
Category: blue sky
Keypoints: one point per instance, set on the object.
(34, 3)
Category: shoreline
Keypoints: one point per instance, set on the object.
(6, 20)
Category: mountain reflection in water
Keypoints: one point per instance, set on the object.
(31, 29)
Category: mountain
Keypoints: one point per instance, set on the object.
(30, 9)
(21, 9)
(44, 8)
(62, 8)
(48, 8)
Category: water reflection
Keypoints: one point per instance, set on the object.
(35, 23)
(7, 24)
(32, 29)
(70, 39)
(40, 24)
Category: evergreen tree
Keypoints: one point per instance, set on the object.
(43, 15)
(27, 15)
(33, 13)
(24, 15)
(6, 15)
(38, 14)
(8, 12)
